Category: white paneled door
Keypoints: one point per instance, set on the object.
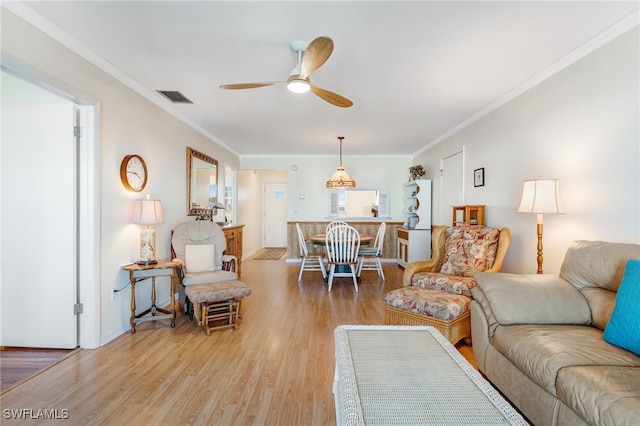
(275, 215)
(38, 275)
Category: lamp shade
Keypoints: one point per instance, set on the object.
(540, 196)
(147, 212)
(341, 179)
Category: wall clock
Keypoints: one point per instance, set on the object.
(133, 173)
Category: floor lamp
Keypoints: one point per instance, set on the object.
(146, 213)
(540, 196)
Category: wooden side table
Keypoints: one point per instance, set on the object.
(163, 268)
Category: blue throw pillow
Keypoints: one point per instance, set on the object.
(623, 329)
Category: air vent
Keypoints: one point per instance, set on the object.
(175, 96)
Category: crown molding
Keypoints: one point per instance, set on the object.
(615, 30)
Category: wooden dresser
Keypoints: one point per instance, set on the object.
(233, 234)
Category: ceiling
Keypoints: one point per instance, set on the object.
(416, 71)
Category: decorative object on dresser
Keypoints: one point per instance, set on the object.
(540, 196)
(146, 213)
(437, 292)
(416, 172)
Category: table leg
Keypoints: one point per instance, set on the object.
(132, 319)
(153, 296)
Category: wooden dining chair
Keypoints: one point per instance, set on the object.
(343, 243)
(312, 257)
(370, 256)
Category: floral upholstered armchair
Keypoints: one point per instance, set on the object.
(457, 253)
(437, 292)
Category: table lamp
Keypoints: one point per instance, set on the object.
(540, 196)
(146, 213)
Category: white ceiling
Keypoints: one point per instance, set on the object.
(416, 71)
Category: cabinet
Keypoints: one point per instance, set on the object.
(417, 199)
(470, 214)
(413, 245)
(233, 234)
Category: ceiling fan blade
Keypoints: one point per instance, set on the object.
(316, 54)
(332, 98)
(248, 85)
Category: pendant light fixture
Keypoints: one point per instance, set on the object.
(340, 178)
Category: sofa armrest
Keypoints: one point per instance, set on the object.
(415, 267)
(530, 299)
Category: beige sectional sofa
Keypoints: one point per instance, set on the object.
(539, 339)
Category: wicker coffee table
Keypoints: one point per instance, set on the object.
(400, 375)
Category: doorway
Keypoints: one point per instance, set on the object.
(275, 215)
(50, 240)
(451, 184)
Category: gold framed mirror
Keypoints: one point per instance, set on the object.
(202, 183)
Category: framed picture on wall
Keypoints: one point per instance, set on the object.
(478, 177)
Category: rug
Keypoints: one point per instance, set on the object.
(270, 253)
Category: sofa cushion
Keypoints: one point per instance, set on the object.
(443, 282)
(623, 328)
(533, 299)
(540, 351)
(469, 249)
(433, 303)
(603, 395)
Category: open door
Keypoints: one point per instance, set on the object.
(38, 168)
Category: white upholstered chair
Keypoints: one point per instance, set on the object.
(199, 247)
(370, 256)
(343, 243)
(312, 257)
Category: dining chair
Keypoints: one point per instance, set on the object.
(369, 257)
(312, 258)
(343, 243)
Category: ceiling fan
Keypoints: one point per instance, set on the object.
(310, 58)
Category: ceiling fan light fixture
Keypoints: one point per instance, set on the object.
(340, 179)
(298, 85)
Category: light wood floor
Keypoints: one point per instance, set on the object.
(276, 369)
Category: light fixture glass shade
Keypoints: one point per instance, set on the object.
(147, 213)
(540, 196)
(298, 86)
(341, 179)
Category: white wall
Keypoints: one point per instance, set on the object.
(580, 126)
(312, 173)
(128, 124)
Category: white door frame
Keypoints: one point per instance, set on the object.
(88, 215)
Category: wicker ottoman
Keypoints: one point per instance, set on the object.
(448, 313)
(216, 306)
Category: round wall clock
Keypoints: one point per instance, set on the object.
(133, 173)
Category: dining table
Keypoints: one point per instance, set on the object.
(321, 240)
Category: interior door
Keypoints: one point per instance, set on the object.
(38, 277)
(452, 186)
(275, 215)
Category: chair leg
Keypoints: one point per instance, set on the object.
(354, 275)
(332, 269)
(380, 271)
(321, 262)
(301, 269)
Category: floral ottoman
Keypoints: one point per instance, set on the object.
(448, 313)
